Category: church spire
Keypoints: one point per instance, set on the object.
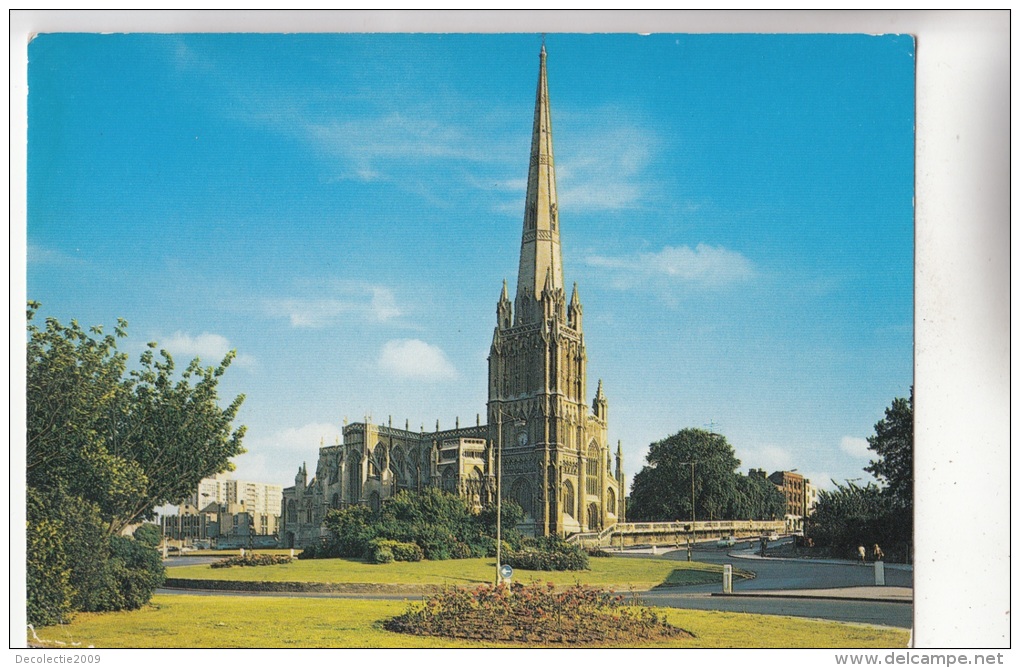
(541, 265)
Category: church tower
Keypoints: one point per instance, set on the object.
(556, 461)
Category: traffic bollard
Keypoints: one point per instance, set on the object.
(727, 579)
(879, 573)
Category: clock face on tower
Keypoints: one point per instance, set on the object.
(522, 438)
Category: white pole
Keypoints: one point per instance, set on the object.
(727, 579)
(879, 573)
(499, 493)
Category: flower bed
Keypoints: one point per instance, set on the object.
(534, 614)
(252, 560)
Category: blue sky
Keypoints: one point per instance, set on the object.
(737, 211)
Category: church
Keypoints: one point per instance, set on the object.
(553, 451)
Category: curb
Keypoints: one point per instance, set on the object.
(805, 597)
(834, 562)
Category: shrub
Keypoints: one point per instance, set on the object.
(322, 548)
(47, 575)
(535, 613)
(407, 552)
(148, 534)
(490, 547)
(349, 531)
(73, 565)
(548, 554)
(382, 555)
(440, 523)
(137, 570)
(250, 559)
(399, 551)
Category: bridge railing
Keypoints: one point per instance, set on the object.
(604, 537)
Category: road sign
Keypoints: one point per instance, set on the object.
(505, 571)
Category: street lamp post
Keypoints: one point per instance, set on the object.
(499, 491)
(690, 547)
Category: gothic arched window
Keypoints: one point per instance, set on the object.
(522, 494)
(569, 502)
(591, 482)
(354, 477)
(375, 462)
(450, 480)
(412, 468)
(399, 467)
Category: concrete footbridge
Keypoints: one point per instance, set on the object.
(625, 534)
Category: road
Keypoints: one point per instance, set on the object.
(859, 612)
(786, 575)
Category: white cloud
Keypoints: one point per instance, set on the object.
(769, 457)
(276, 456)
(820, 479)
(358, 300)
(601, 195)
(704, 265)
(210, 348)
(364, 143)
(37, 254)
(306, 438)
(855, 447)
(383, 305)
(603, 165)
(412, 358)
(606, 167)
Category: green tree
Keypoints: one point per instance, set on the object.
(105, 446)
(893, 442)
(757, 499)
(439, 522)
(662, 488)
(47, 573)
(512, 515)
(851, 516)
(148, 534)
(128, 441)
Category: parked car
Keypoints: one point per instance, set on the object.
(728, 541)
(773, 536)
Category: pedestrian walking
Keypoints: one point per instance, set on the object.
(877, 552)
(861, 551)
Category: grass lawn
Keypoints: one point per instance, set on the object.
(231, 621)
(616, 572)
